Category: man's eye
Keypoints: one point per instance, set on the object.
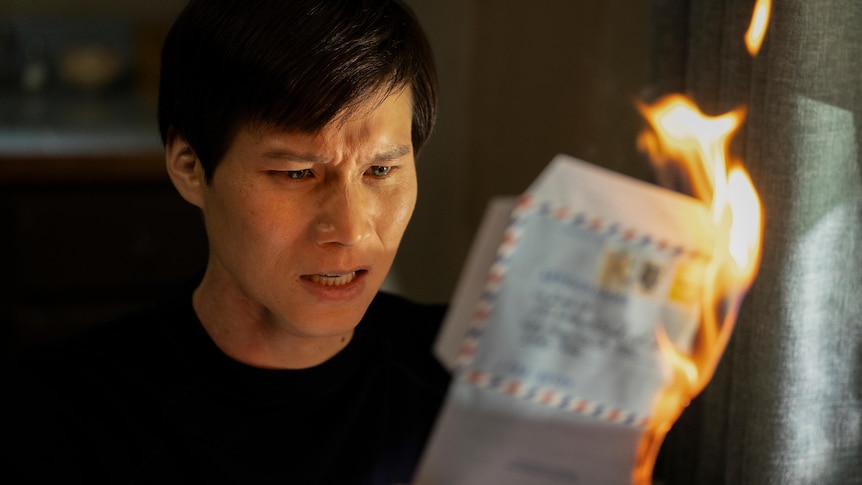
(298, 174)
(379, 171)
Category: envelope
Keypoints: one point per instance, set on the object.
(551, 334)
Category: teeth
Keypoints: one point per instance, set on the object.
(332, 279)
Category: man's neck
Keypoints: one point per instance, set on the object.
(253, 335)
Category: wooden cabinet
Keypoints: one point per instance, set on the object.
(84, 240)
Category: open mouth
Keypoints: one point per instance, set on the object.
(334, 279)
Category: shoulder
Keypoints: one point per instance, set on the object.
(76, 401)
(112, 352)
(143, 334)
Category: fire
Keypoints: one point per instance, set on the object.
(746, 230)
(697, 143)
(681, 136)
(757, 28)
(683, 139)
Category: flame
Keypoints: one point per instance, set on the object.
(757, 28)
(746, 230)
(698, 143)
(684, 139)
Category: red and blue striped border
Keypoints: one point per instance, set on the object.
(527, 205)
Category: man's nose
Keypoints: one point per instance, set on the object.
(344, 217)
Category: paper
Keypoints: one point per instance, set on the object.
(552, 329)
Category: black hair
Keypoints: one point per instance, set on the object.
(293, 64)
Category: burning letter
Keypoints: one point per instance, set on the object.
(604, 310)
(557, 338)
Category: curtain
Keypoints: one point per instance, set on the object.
(785, 404)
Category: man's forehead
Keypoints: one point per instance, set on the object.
(389, 119)
(278, 144)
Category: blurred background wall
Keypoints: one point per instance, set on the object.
(521, 82)
(92, 227)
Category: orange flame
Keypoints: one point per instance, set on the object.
(681, 136)
(757, 28)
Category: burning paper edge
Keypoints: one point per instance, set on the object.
(738, 216)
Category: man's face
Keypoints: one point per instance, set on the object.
(303, 228)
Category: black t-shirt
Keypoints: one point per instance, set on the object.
(151, 399)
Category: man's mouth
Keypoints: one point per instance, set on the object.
(340, 279)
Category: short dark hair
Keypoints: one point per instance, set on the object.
(293, 64)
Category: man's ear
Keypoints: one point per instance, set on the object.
(185, 170)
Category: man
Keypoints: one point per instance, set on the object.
(293, 126)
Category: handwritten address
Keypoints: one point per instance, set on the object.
(572, 315)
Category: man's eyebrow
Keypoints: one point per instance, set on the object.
(392, 153)
(389, 154)
(281, 154)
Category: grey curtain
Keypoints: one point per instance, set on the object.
(785, 405)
